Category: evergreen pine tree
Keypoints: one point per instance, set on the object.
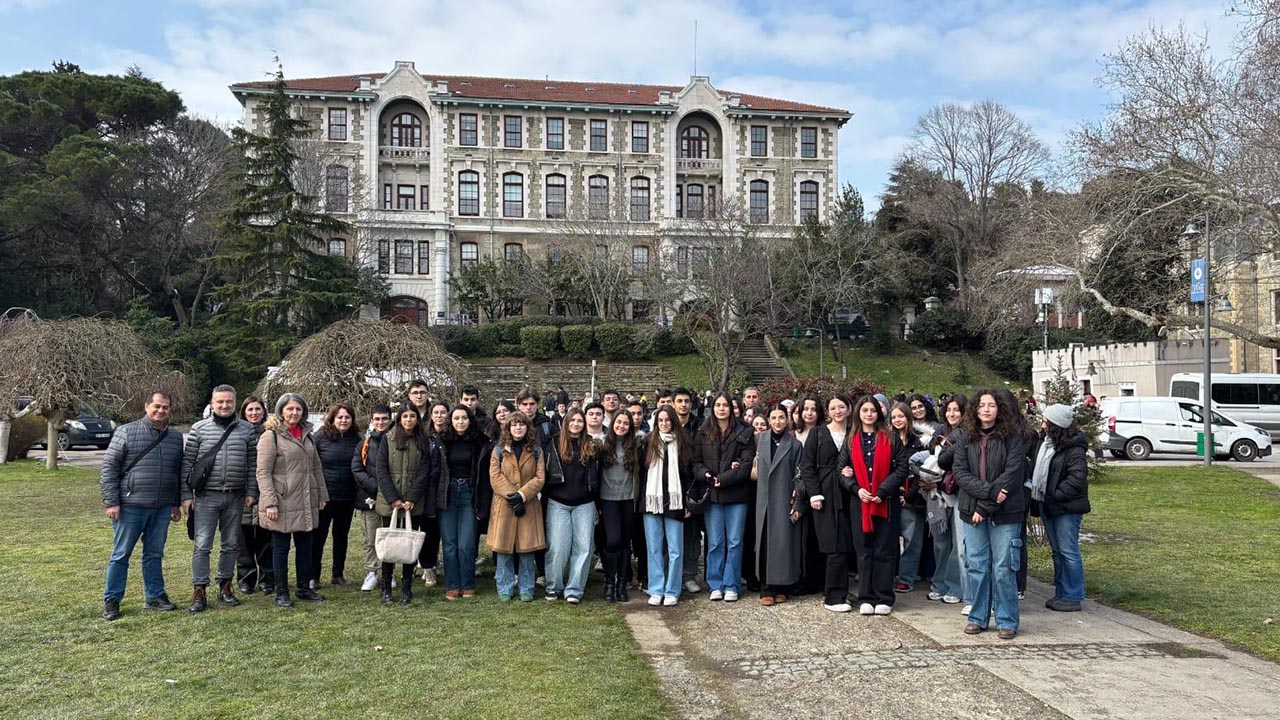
(1061, 390)
(280, 285)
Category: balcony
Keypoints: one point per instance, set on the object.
(698, 165)
(398, 152)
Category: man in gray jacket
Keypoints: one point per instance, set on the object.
(140, 491)
(232, 486)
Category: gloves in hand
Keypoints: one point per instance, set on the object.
(518, 510)
(514, 499)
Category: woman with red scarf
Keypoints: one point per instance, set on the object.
(874, 469)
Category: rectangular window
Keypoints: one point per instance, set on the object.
(639, 136)
(598, 197)
(808, 142)
(424, 199)
(759, 201)
(406, 197)
(682, 262)
(759, 141)
(599, 136)
(511, 132)
(1275, 307)
(384, 256)
(710, 210)
(469, 253)
(640, 199)
(337, 123)
(700, 260)
(640, 260)
(693, 204)
(387, 196)
(468, 192)
(679, 201)
(556, 204)
(555, 133)
(808, 200)
(512, 252)
(424, 257)
(512, 195)
(404, 257)
(467, 133)
(337, 247)
(335, 189)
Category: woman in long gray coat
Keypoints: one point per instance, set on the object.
(779, 505)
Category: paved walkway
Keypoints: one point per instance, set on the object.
(796, 660)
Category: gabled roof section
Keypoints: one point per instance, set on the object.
(545, 91)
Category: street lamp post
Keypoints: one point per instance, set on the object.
(1206, 397)
(1044, 298)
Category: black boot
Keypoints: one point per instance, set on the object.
(227, 595)
(620, 590)
(406, 588)
(608, 590)
(385, 584)
(282, 598)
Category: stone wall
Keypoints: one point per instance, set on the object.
(500, 378)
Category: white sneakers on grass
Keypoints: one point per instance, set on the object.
(370, 582)
(429, 577)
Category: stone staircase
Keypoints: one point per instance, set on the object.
(755, 356)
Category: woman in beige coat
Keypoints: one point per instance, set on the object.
(515, 516)
(293, 493)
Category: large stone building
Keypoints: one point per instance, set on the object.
(439, 171)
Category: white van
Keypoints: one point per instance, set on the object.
(1139, 426)
(1249, 397)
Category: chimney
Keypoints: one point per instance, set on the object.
(366, 82)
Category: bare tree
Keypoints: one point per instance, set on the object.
(364, 363)
(980, 155)
(594, 245)
(59, 364)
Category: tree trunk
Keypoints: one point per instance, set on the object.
(5, 425)
(51, 442)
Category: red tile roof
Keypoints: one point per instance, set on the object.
(549, 91)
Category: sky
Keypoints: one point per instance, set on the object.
(886, 62)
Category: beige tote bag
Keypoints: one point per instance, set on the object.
(399, 544)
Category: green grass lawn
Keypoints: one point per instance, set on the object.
(688, 370)
(1193, 547)
(467, 659)
(908, 367)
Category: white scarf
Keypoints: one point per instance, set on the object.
(654, 480)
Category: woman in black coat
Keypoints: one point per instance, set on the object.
(1060, 488)
(336, 442)
(779, 508)
(722, 457)
(829, 500)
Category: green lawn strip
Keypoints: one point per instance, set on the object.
(688, 371)
(926, 371)
(481, 659)
(1193, 547)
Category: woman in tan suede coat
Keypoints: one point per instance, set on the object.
(516, 472)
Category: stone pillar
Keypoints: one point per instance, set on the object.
(441, 267)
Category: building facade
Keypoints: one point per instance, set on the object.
(434, 172)
(1122, 369)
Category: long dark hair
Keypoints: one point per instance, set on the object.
(328, 428)
(655, 447)
(882, 422)
(909, 431)
(472, 434)
(399, 438)
(1008, 419)
(494, 430)
(1061, 436)
(930, 413)
(579, 449)
(961, 402)
(797, 420)
(711, 424)
(628, 441)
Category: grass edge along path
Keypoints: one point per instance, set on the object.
(1192, 547)
(347, 657)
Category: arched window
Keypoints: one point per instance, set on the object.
(640, 199)
(598, 197)
(468, 192)
(557, 204)
(512, 195)
(406, 130)
(335, 189)
(808, 199)
(759, 201)
(694, 143)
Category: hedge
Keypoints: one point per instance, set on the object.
(540, 342)
(615, 341)
(576, 340)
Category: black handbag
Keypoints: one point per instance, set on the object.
(202, 468)
(696, 497)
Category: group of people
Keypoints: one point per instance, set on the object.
(793, 497)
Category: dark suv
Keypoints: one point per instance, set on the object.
(87, 428)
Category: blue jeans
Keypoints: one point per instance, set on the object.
(913, 524)
(666, 573)
(946, 561)
(992, 553)
(505, 575)
(221, 511)
(152, 526)
(1068, 567)
(570, 530)
(458, 534)
(725, 526)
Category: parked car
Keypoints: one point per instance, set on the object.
(1251, 397)
(1139, 426)
(847, 322)
(89, 427)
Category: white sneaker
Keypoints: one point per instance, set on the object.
(669, 601)
(599, 566)
(966, 610)
(717, 595)
(370, 582)
(730, 596)
(692, 586)
(393, 583)
(655, 600)
(429, 577)
(935, 596)
(573, 599)
(842, 607)
(480, 561)
(884, 609)
(866, 609)
(951, 599)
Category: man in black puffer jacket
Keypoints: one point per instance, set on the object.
(140, 491)
(367, 491)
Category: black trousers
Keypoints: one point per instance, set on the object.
(877, 561)
(301, 557)
(640, 549)
(406, 571)
(430, 555)
(836, 583)
(814, 563)
(254, 559)
(338, 514)
(619, 519)
(750, 577)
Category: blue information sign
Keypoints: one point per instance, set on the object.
(1198, 272)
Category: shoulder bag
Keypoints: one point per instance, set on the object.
(202, 468)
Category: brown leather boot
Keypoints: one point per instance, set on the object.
(227, 594)
(198, 600)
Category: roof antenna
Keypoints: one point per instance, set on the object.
(695, 47)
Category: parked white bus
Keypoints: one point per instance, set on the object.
(1253, 398)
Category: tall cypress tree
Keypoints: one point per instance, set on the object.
(280, 283)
